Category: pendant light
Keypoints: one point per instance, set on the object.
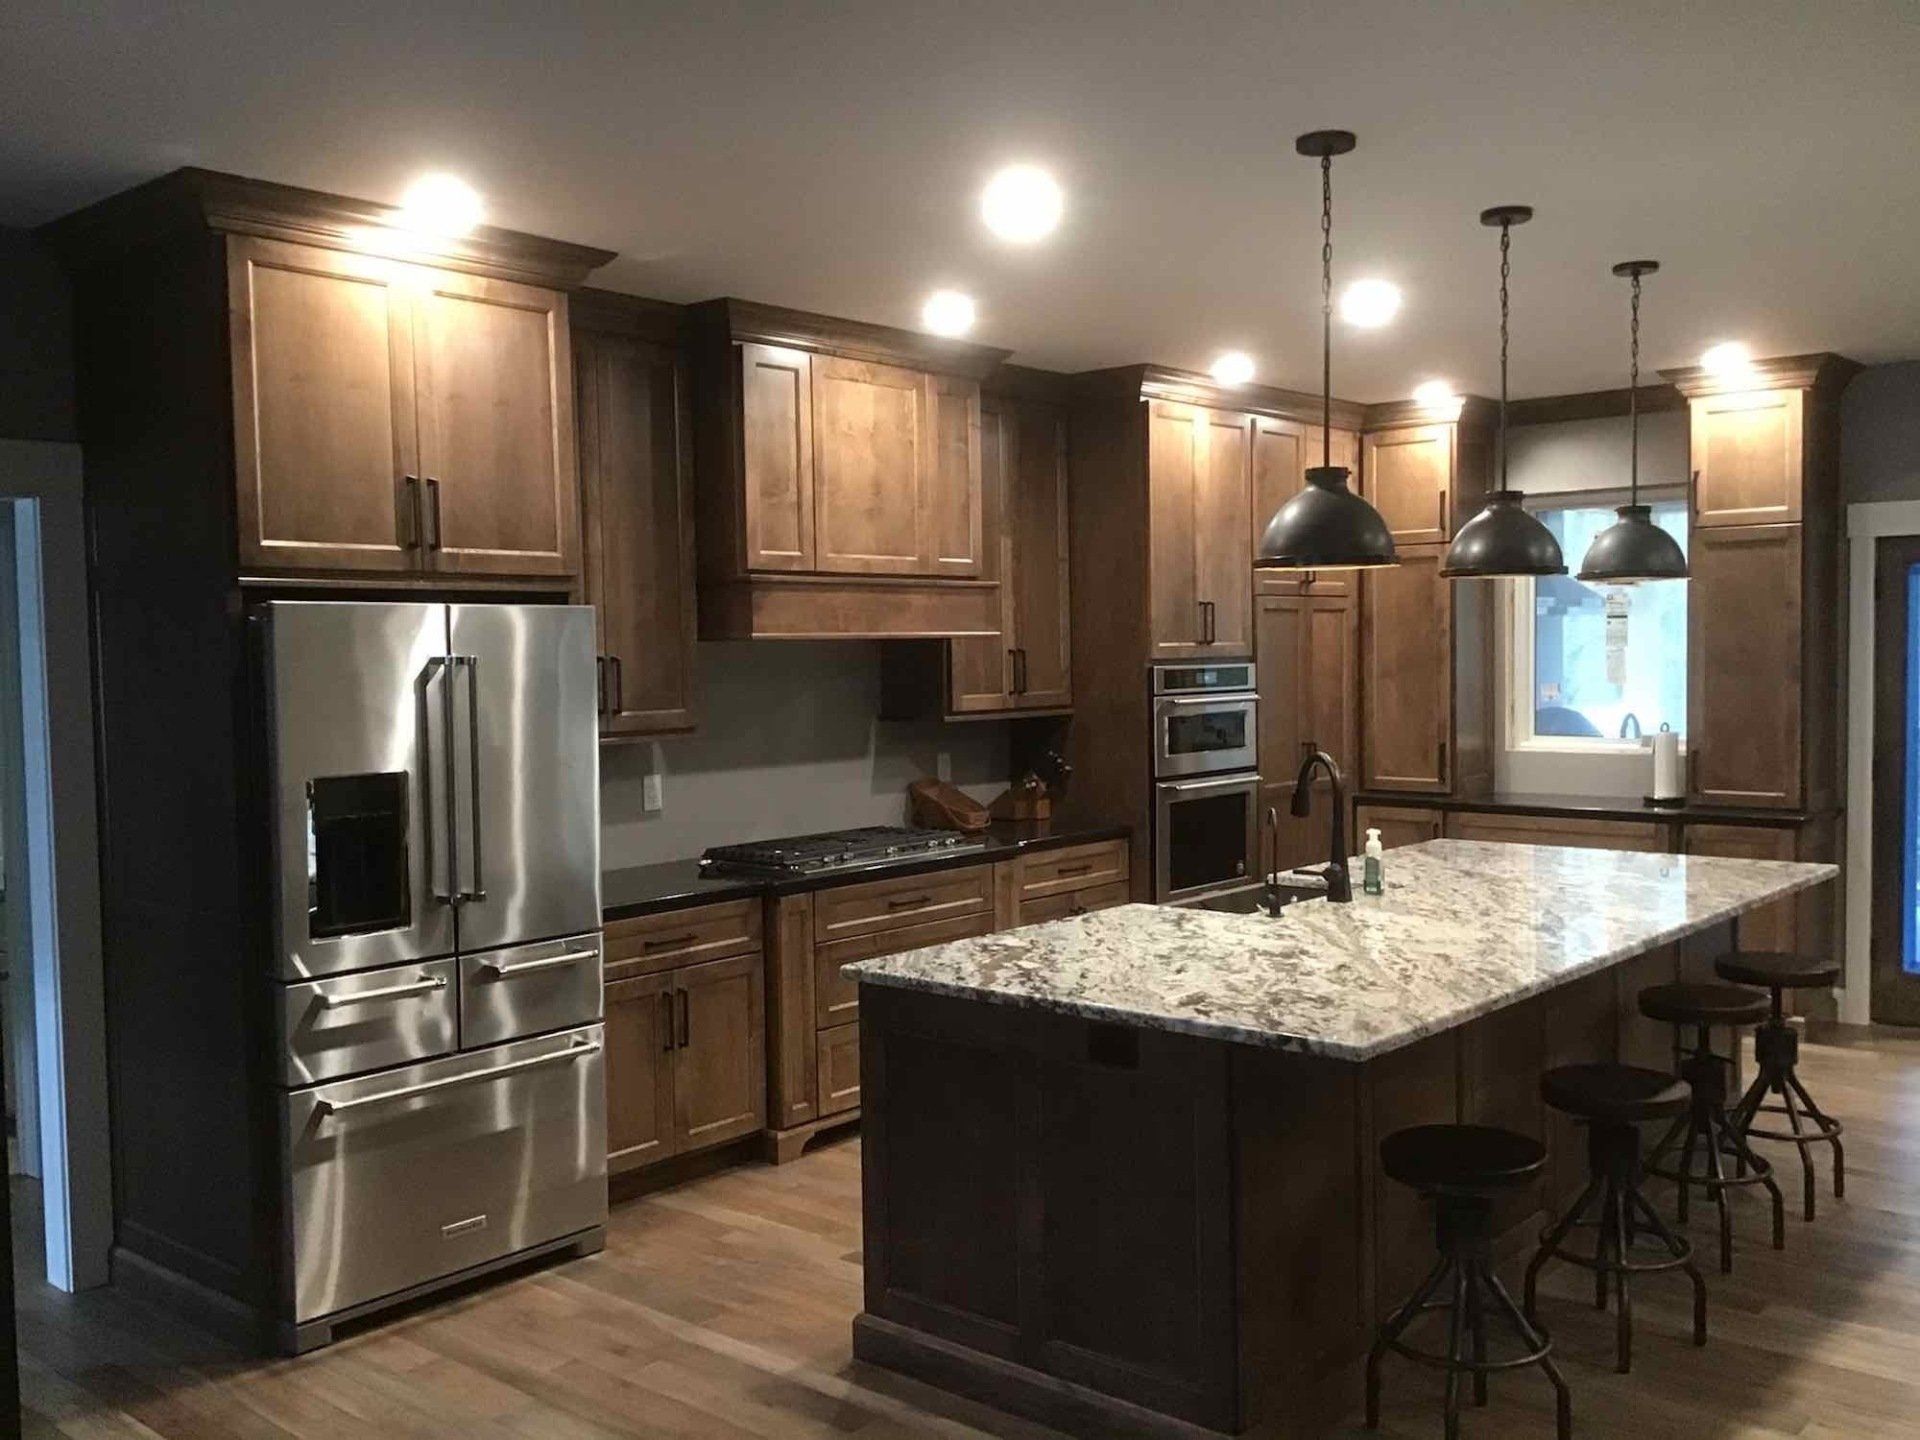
(1325, 526)
(1503, 539)
(1633, 548)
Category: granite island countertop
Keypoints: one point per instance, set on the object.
(1464, 928)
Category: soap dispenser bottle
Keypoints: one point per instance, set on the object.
(1374, 879)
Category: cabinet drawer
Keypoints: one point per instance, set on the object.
(681, 937)
(529, 989)
(1072, 902)
(1547, 830)
(1078, 867)
(839, 1069)
(368, 1021)
(836, 999)
(909, 900)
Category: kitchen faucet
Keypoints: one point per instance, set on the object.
(1339, 887)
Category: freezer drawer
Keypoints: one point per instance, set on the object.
(529, 989)
(370, 1021)
(398, 1179)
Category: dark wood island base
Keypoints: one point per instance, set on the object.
(1123, 1231)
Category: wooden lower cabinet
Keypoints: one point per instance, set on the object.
(1551, 830)
(685, 1042)
(1772, 927)
(1398, 825)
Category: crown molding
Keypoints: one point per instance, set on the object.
(1592, 405)
(194, 199)
(1190, 387)
(1821, 370)
(612, 312)
(1459, 409)
(853, 339)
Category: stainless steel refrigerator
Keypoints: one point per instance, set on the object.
(436, 944)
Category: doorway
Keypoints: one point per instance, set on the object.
(1895, 942)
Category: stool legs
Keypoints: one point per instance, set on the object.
(1463, 1283)
(1614, 1155)
(1776, 1052)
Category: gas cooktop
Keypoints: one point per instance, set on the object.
(837, 849)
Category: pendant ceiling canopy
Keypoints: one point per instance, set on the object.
(1504, 540)
(1326, 526)
(1633, 549)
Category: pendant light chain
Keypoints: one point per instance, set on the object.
(1633, 402)
(1506, 269)
(1326, 310)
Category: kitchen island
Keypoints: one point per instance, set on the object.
(1120, 1171)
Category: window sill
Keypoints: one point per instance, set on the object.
(1573, 745)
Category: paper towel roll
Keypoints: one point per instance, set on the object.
(1667, 781)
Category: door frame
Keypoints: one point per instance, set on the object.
(61, 858)
(1867, 525)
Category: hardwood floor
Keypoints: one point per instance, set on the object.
(721, 1309)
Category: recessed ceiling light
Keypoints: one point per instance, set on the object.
(1369, 303)
(1022, 203)
(440, 204)
(1433, 392)
(1232, 367)
(1729, 357)
(948, 312)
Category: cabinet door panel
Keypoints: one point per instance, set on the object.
(1175, 435)
(1398, 825)
(1280, 660)
(495, 395)
(1223, 547)
(955, 526)
(1743, 722)
(1746, 449)
(719, 1069)
(1407, 622)
(1280, 460)
(1771, 927)
(323, 408)
(839, 1077)
(776, 402)
(1408, 477)
(640, 1045)
(1332, 677)
(980, 668)
(870, 456)
(639, 532)
(1037, 522)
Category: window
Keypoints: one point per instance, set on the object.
(1596, 665)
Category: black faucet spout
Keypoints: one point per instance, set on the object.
(1339, 884)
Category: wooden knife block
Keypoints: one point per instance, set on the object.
(940, 806)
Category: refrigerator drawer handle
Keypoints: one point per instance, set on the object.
(425, 985)
(325, 1108)
(507, 968)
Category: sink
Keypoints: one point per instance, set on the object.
(1252, 900)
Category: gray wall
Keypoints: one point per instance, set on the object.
(787, 743)
(1880, 435)
(1593, 454)
(36, 343)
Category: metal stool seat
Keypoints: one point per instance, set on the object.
(1461, 1168)
(1776, 1054)
(1706, 1129)
(1612, 1101)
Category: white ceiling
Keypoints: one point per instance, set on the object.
(828, 156)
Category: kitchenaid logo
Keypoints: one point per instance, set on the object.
(463, 1227)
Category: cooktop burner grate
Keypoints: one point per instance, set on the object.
(834, 849)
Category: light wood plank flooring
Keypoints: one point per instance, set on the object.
(721, 1309)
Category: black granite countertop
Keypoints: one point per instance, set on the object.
(676, 884)
(1591, 807)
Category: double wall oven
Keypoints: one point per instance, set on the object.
(1206, 778)
(436, 945)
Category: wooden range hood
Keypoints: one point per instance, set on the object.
(838, 474)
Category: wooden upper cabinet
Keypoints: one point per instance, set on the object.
(776, 399)
(870, 460)
(1744, 665)
(494, 387)
(1407, 684)
(324, 443)
(980, 668)
(1747, 452)
(1199, 484)
(955, 530)
(1283, 452)
(1407, 475)
(634, 484)
(1332, 672)
(1223, 545)
(1306, 653)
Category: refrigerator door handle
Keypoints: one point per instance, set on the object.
(471, 665)
(441, 665)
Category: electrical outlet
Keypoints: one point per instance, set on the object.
(943, 766)
(650, 800)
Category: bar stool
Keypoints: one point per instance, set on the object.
(1461, 1168)
(1776, 1051)
(1612, 1101)
(1706, 1126)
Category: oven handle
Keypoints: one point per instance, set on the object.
(1249, 782)
(324, 1108)
(1218, 701)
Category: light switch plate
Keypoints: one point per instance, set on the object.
(650, 799)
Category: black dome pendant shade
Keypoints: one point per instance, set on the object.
(1326, 526)
(1633, 549)
(1503, 540)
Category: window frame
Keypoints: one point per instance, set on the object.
(1514, 637)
